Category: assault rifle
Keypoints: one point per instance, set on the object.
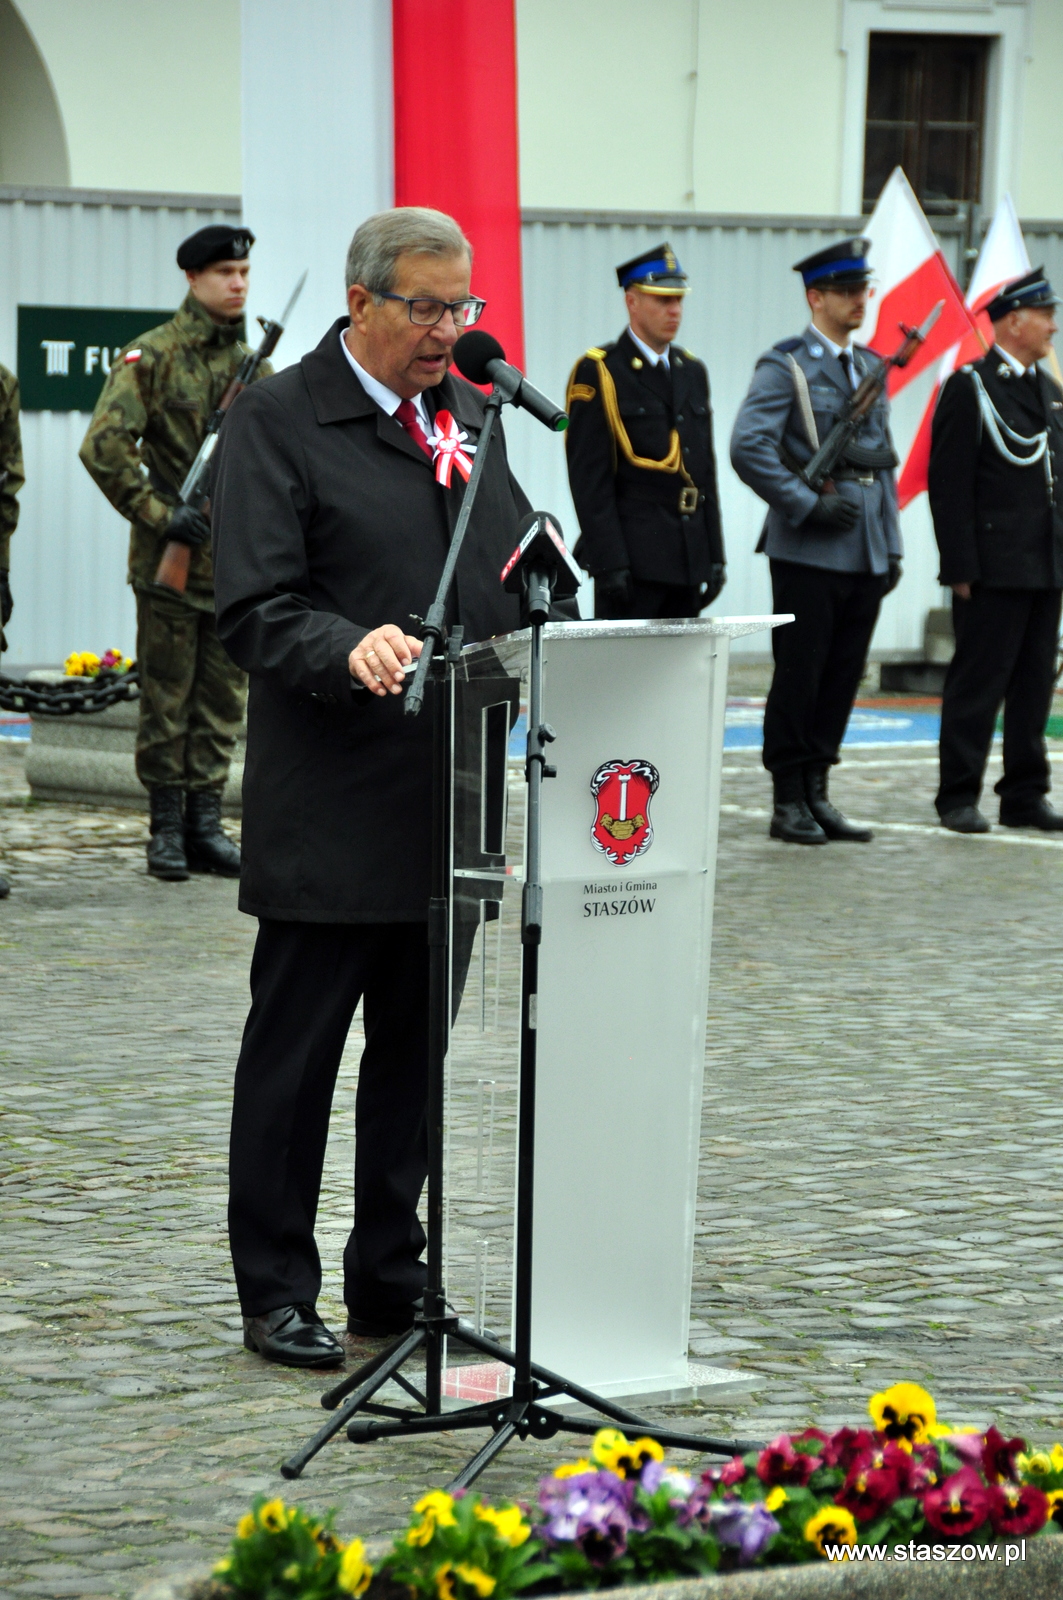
(173, 568)
(816, 472)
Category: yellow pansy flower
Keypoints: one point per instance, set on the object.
(624, 1457)
(606, 1441)
(1057, 1458)
(273, 1516)
(246, 1526)
(830, 1525)
(1055, 1505)
(778, 1497)
(355, 1571)
(1038, 1464)
(436, 1510)
(904, 1413)
(572, 1469)
(476, 1578)
(221, 1567)
(507, 1521)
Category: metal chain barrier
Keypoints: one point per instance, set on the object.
(71, 697)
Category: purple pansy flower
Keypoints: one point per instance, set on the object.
(592, 1510)
(743, 1527)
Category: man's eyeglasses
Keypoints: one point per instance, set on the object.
(426, 313)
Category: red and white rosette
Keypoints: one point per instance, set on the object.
(450, 449)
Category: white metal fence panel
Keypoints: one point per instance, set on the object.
(80, 248)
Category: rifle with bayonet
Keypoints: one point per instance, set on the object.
(173, 568)
(817, 472)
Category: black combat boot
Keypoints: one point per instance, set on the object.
(209, 848)
(166, 847)
(830, 819)
(791, 820)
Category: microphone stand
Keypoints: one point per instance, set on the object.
(521, 1414)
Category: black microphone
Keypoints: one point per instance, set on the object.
(479, 357)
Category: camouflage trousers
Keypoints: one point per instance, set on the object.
(192, 697)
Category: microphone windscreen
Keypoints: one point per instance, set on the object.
(473, 351)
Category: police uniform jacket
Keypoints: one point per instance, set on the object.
(629, 515)
(771, 425)
(997, 523)
(328, 522)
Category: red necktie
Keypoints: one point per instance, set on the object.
(411, 422)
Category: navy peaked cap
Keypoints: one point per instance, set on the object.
(841, 263)
(1033, 289)
(657, 271)
(221, 241)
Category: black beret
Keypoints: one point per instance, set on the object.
(220, 242)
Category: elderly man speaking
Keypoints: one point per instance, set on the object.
(331, 528)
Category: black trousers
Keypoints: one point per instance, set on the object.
(306, 980)
(663, 601)
(819, 661)
(1005, 652)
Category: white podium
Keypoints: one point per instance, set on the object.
(629, 850)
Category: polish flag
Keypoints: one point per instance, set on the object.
(913, 276)
(1002, 258)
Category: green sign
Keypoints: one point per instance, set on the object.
(65, 352)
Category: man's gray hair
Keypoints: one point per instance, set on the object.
(406, 230)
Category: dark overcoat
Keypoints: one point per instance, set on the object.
(328, 522)
(997, 524)
(629, 516)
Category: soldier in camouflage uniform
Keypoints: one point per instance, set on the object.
(144, 435)
(12, 478)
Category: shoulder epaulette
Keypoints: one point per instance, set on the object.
(596, 353)
(786, 345)
(967, 367)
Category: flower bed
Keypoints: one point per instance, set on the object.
(86, 664)
(908, 1489)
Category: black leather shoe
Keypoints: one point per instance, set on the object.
(208, 846)
(166, 847)
(965, 819)
(387, 1323)
(830, 819)
(793, 821)
(295, 1336)
(1039, 815)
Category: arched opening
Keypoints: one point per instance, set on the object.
(32, 138)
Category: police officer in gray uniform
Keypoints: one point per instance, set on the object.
(834, 555)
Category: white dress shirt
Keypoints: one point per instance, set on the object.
(1016, 366)
(651, 355)
(837, 350)
(385, 398)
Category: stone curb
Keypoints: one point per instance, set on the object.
(1039, 1577)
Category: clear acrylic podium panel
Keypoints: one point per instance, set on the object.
(622, 997)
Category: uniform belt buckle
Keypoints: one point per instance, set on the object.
(688, 500)
(866, 480)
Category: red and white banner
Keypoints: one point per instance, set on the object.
(911, 276)
(454, 67)
(1002, 258)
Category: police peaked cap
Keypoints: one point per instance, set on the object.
(839, 264)
(657, 272)
(220, 242)
(1032, 290)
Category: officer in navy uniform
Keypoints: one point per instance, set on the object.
(834, 555)
(641, 463)
(996, 493)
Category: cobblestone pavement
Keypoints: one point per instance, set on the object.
(879, 1195)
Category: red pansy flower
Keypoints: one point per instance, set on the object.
(779, 1462)
(1017, 1510)
(868, 1491)
(844, 1446)
(998, 1456)
(959, 1505)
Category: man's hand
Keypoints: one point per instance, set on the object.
(894, 576)
(962, 591)
(7, 604)
(188, 526)
(616, 586)
(832, 514)
(717, 579)
(379, 660)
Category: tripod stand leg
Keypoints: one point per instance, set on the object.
(379, 1371)
(483, 1458)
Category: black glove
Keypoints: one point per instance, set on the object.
(615, 587)
(188, 526)
(832, 514)
(894, 577)
(717, 579)
(7, 605)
